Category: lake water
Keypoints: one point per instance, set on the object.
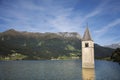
(58, 70)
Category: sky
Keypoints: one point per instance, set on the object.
(102, 17)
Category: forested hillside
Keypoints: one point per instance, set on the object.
(27, 45)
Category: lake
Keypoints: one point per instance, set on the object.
(58, 70)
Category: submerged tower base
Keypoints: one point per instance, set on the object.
(88, 65)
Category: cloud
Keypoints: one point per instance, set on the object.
(101, 34)
(95, 12)
(46, 15)
(62, 24)
(42, 15)
(108, 26)
(109, 41)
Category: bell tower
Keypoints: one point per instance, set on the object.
(87, 50)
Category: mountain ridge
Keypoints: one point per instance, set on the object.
(113, 46)
(45, 45)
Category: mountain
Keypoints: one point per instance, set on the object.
(102, 52)
(113, 46)
(29, 45)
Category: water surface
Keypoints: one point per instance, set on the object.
(58, 70)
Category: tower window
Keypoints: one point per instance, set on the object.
(86, 45)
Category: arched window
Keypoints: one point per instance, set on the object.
(86, 45)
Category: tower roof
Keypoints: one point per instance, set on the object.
(87, 36)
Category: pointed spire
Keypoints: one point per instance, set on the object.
(87, 36)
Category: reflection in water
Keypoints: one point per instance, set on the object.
(88, 74)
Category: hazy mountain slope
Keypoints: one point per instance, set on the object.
(114, 46)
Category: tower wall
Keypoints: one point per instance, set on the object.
(87, 54)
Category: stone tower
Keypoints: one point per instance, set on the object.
(87, 50)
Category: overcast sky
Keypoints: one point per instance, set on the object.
(102, 16)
